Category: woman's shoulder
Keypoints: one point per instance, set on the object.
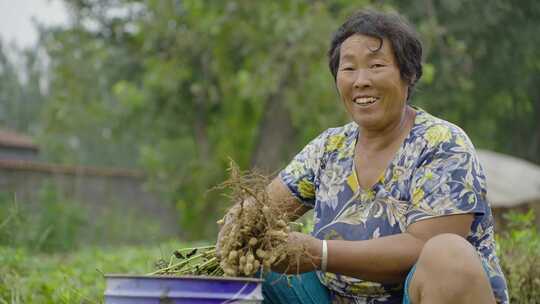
(347, 130)
(330, 140)
(438, 133)
(340, 138)
(336, 135)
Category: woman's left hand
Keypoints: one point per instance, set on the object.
(309, 258)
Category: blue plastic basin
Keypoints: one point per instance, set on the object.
(127, 289)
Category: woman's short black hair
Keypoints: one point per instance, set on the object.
(404, 39)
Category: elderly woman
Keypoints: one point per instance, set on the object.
(399, 196)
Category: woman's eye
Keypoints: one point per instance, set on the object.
(347, 69)
(376, 65)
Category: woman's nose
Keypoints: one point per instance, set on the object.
(362, 80)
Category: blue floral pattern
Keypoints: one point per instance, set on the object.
(434, 173)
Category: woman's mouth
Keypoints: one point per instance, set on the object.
(365, 101)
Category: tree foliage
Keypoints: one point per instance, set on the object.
(21, 98)
(486, 69)
(194, 83)
(179, 87)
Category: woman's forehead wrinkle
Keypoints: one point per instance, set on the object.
(376, 54)
(347, 56)
(370, 43)
(351, 53)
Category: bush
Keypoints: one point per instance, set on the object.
(519, 250)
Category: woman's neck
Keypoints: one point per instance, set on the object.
(378, 140)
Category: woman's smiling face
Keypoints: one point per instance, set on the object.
(369, 82)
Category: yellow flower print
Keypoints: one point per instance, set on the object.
(370, 194)
(306, 188)
(418, 196)
(367, 288)
(421, 119)
(438, 134)
(346, 152)
(397, 173)
(296, 168)
(335, 142)
(460, 142)
(367, 195)
(353, 182)
(328, 277)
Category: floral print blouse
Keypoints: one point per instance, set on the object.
(434, 173)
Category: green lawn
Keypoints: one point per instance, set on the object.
(76, 277)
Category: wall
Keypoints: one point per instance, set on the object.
(100, 191)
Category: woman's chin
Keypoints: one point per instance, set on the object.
(368, 124)
(367, 120)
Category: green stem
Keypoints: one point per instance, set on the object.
(182, 263)
(211, 262)
(198, 248)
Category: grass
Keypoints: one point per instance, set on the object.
(75, 277)
(519, 250)
(52, 223)
(48, 273)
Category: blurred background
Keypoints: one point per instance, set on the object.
(119, 117)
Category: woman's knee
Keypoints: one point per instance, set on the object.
(450, 254)
(443, 260)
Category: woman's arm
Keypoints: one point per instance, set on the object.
(387, 259)
(280, 195)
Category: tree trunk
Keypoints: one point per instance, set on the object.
(275, 142)
(201, 137)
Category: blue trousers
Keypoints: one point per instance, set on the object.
(305, 289)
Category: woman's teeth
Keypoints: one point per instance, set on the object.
(364, 101)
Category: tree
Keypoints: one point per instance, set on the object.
(21, 97)
(179, 87)
(197, 82)
(486, 69)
